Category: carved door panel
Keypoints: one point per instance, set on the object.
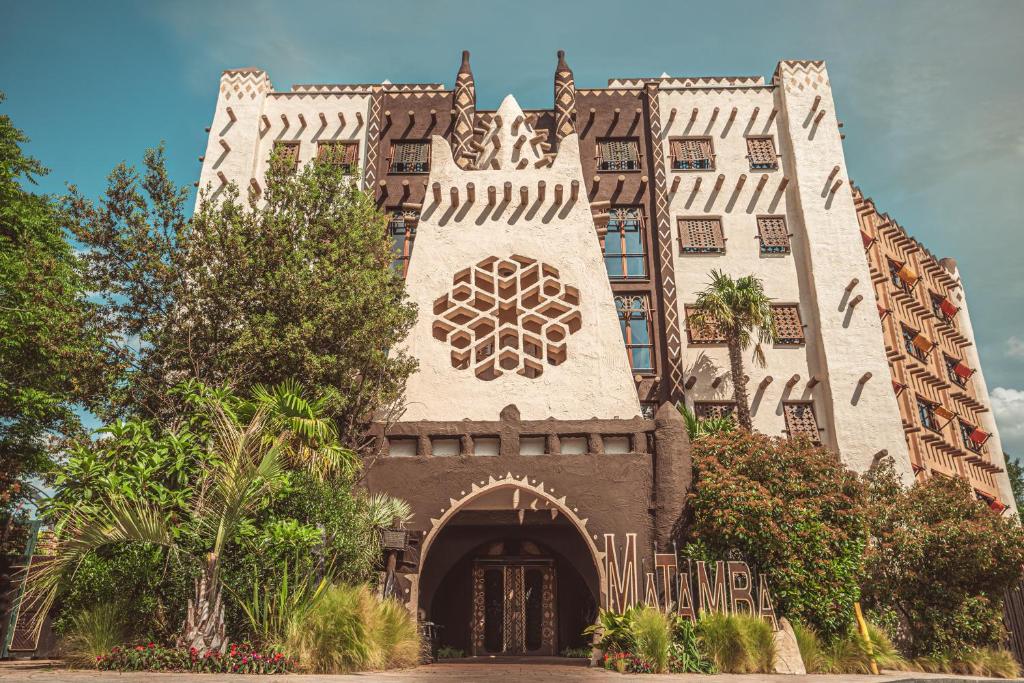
(513, 609)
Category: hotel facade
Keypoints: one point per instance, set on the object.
(554, 256)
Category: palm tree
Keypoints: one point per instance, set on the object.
(739, 310)
(247, 466)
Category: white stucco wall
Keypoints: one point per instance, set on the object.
(862, 418)
(250, 96)
(595, 379)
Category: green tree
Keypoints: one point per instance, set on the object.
(739, 310)
(941, 560)
(295, 282)
(51, 340)
(1015, 473)
(794, 512)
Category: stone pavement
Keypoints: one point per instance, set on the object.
(468, 671)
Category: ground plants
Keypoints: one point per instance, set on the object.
(92, 633)
(236, 658)
(737, 643)
(351, 629)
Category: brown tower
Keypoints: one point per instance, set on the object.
(464, 105)
(565, 98)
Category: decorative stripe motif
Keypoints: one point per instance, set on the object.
(565, 98)
(464, 103)
(674, 342)
(373, 138)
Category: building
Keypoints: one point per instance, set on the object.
(553, 254)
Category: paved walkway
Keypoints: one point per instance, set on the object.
(469, 671)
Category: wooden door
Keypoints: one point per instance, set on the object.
(513, 608)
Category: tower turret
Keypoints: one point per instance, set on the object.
(464, 104)
(565, 98)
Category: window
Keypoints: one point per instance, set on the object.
(902, 276)
(288, 153)
(943, 308)
(926, 413)
(692, 154)
(788, 325)
(957, 371)
(344, 154)
(915, 343)
(648, 409)
(410, 156)
(800, 420)
(402, 229)
(625, 254)
(708, 333)
(713, 409)
(620, 154)
(974, 439)
(635, 322)
(761, 153)
(701, 236)
(774, 234)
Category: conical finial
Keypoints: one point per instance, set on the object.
(565, 98)
(464, 104)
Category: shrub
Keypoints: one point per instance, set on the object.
(446, 652)
(687, 654)
(351, 629)
(847, 654)
(569, 652)
(615, 630)
(942, 560)
(239, 659)
(652, 633)
(92, 633)
(738, 643)
(811, 649)
(793, 510)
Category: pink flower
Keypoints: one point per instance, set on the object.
(139, 648)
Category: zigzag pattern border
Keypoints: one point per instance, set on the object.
(673, 335)
(373, 140)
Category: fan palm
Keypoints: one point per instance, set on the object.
(311, 438)
(740, 310)
(247, 465)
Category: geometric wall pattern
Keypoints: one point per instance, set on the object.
(507, 315)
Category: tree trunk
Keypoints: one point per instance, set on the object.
(204, 627)
(739, 384)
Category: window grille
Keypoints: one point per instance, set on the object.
(618, 155)
(942, 307)
(288, 153)
(926, 413)
(774, 234)
(692, 154)
(402, 229)
(708, 333)
(800, 420)
(761, 153)
(410, 156)
(958, 371)
(635, 322)
(625, 246)
(788, 325)
(915, 343)
(705, 410)
(344, 154)
(701, 236)
(902, 276)
(970, 435)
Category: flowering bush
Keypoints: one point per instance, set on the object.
(627, 662)
(239, 659)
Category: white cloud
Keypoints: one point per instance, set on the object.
(1015, 347)
(1008, 408)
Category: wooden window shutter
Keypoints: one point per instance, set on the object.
(339, 153)
(288, 151)
(713, 409)
(774, 234)
(701, 235)
(702, 334)
(761, 152)
(800, 420)
(788, 324)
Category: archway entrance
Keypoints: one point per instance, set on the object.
(508, 573)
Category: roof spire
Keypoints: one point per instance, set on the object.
(464, 104)
(565, 98)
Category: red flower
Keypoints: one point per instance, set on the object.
(151, 646)
(139, 648)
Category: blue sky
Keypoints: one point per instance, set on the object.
(930, 93)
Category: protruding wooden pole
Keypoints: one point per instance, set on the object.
(437, 192)
(761, 183)
(455, 197)
(541, 187)
(302, 119)
(323, 119)
(341, 119)
(524, 195)
(231, 114)
(492, 195)
(225, 145)
(558, 193)
(783, 183)
(574, 190)
(675, 182)
(721, 179)
(507, 192)
(470, 193)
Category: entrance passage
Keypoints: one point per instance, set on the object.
(514, 607)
